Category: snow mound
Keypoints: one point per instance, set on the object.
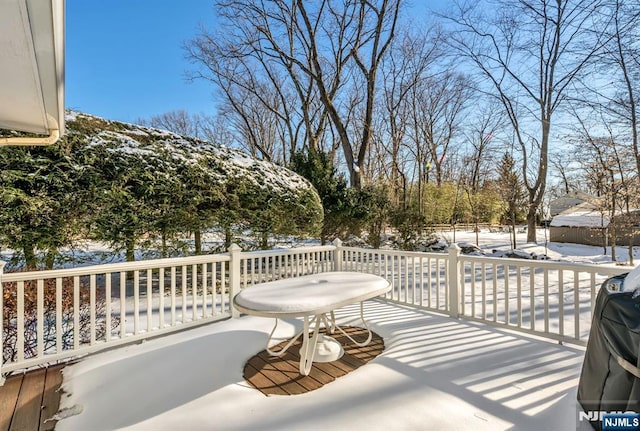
(631, 282)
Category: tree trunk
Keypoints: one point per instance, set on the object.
(164, 243)
(531, 224)
(536, 192)
(630, 96)
(30, 257)
(197, 240)
(130, 250)
(513, 230)
(228, 237)
(612, 232)
(50, 258)
(612, 227)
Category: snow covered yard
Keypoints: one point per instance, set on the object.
(578, 253)
(96, 253)
(435, 373)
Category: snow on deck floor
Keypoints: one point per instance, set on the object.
(436, 373)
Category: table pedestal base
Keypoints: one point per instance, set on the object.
(315, 346)
(328, 349)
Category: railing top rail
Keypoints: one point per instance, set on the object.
(115, 267)
(585, 267)
(399, 252)
(285, 251)
(192, 260)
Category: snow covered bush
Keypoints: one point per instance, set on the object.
(125, 185)
(156, 182)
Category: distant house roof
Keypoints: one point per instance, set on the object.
(32, 76)
(585, 214)
(568, 201)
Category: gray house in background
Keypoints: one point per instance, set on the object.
(582, 223)
(570, 200)
(582, 219)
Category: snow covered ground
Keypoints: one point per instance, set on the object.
(489, 241)
(435, 373)
(94, 253)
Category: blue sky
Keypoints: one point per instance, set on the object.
(124, 58)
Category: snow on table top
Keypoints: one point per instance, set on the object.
(309, 294)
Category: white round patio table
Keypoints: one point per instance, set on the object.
(312, 297)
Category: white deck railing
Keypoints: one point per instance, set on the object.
(550, 299)
(53, 315)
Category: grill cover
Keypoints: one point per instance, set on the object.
(607, 381)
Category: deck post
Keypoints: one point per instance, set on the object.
(453, 282)
(235, 253)
(337, 255)
(2, 263)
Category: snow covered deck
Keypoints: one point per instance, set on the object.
(436, 373)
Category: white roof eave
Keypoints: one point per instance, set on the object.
(32, 81)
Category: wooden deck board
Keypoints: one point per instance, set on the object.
(8, 399)
(262, 382)
(28, 407)
(28, 400)
(51, 398)
(280, 375)
(317, 377)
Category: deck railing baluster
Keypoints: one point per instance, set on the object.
(92, 309)
(149, 293)
(40, 323)
(107, 306)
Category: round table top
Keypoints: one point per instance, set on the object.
(309, 294)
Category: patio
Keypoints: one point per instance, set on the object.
(435, 373)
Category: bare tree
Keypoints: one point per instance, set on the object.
(325, 48)
(373, 43)
(479, 160)
(216, 129)
(251, 97)
(259, 127)
(481, 135)
(209, 128)
(623, 52)
(561, 164)
(438, 103)
(409, 62)
(608, 167)
(178, 121)
(529, 53)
